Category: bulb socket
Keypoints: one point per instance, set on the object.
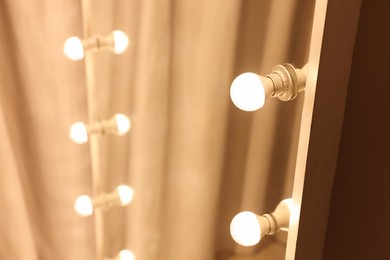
(99, 43)
(287, 81)
(119, 125)
(107, 200)
(116, 41)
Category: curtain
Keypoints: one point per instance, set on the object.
(192, 158)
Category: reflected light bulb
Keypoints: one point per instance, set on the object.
(247, 92)
(123, 124)
(245, 229)
(126, 255)
(78, 133)
(120, 41)
(73, 48)
(83, 206)
(126, 194)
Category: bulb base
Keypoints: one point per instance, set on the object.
(288, 81)
(119, 125)
(116, 42)
(121, 196)
(279, 219)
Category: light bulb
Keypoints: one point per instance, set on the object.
(83, 206)
(123, 123)
(245, 229)
(126, 255)
(73, 48)
(78, 133)
(247, 92)
(125, 194)
(120, 41)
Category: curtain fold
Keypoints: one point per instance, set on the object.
(202, 64)
(14, 202)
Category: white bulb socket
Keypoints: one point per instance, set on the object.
(121, 196)
(247, 228)
(119, 124)
(75, 48)
(249, 91)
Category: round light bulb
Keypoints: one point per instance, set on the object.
(126, 194)
(83, 206)
(73, 48)
(247, 92)
(120, 42)
(126, 255)
(245, 229)
(78, 133)
(123, 124)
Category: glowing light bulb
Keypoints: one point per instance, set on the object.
(83, 206)
(126, 194)
(247, 92)
(120, 42)
(126, 255)
(245, 229)
(123, 124)
(73, 48)
(78, 133)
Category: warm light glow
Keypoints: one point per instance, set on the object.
(245, 229)
(78, 133)
(73, 48)
(247, 92)
(83, 206)
(120, 42)
(295, 211)
(288, 202)
(123, 124)
(126, 255)
(125, 194)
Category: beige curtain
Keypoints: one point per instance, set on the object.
(192, 158)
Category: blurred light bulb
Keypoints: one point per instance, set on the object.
(247, 92)
(73, 48)
(125, 194)
(126, 255)
(245, 229)
(120, 41)
(83, 206)
(78, 133)
(123, 123)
